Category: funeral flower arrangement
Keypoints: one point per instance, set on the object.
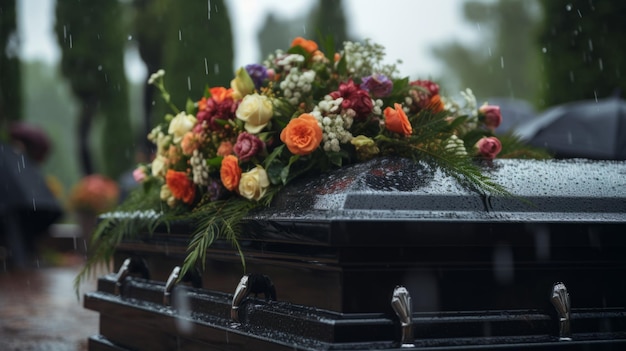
(301, 111)
(94, 194)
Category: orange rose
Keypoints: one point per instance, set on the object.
(397, 121)
(219, 94)
(230, 173)
(308, 45)
(180, 185)
(435, 104)
(302, 135)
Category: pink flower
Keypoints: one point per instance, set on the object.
(247, 146)
(489, 147)
(225, 148)
(139, 174)
(491, 115)
(354, 98)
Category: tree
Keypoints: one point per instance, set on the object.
(192, 41)
(275, 34)
(328, 19)
(149, 27)
(504, 63)
(92, 40)
(583, 50)
(10, 84)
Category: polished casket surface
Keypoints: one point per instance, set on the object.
(480, 270)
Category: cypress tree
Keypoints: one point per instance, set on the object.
(198, 49)
(328, 19)
(582, 43)
(92, 42)
(10, 83)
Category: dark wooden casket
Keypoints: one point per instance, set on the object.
(390, 254)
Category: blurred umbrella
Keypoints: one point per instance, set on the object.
(583, 129)
(27, 207)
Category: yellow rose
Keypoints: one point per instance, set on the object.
(365, 147)
(180, 125)
(158, 166)
(256, 110)
(254, 183)
(242, 85)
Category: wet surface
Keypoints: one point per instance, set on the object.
(39, 309)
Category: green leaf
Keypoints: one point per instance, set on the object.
(190, 107)
(342, 66)
(215, 162)
(284, 173)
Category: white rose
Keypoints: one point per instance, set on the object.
(180, 125)
(254, 183)
(256, 110)
(158, 166)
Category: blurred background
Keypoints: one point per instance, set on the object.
(73, 73)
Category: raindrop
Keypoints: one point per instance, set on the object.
(189, 83)
(34, 205)
(216, 68)
(99, 67)
(23, 162)
(489, 51)
(206, 67)
(478, 26)
(180, 35)
(209, 8)
(600, 64)
(64, 33)
(568, 7)
(502, 62)
(571, 76)
(70, 41)
(579, 14)
(130, 37)
(570, 140)
(595, 95)
(590, 45)
(544, 50)
(304, 29)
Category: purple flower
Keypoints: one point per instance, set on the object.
(216, 190)
(378, 85)
(247, 146)
(258, 73)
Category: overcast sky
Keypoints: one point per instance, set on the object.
(407, 28)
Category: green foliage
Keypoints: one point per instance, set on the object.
(92, 41)
(328, 19)
(10, 83)
(583, 43)
(196, 50)
(505, 60)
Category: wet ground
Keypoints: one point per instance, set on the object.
(39, 310)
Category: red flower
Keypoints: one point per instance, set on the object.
(180, 185)
(425, 99)
(354, 98)
(219, 106)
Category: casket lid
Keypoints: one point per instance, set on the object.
(572, 191)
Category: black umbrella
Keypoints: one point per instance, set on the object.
(584, 129)
(27, 207)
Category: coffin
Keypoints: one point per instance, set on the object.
(544, 268)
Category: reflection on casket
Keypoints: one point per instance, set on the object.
(480, 270)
